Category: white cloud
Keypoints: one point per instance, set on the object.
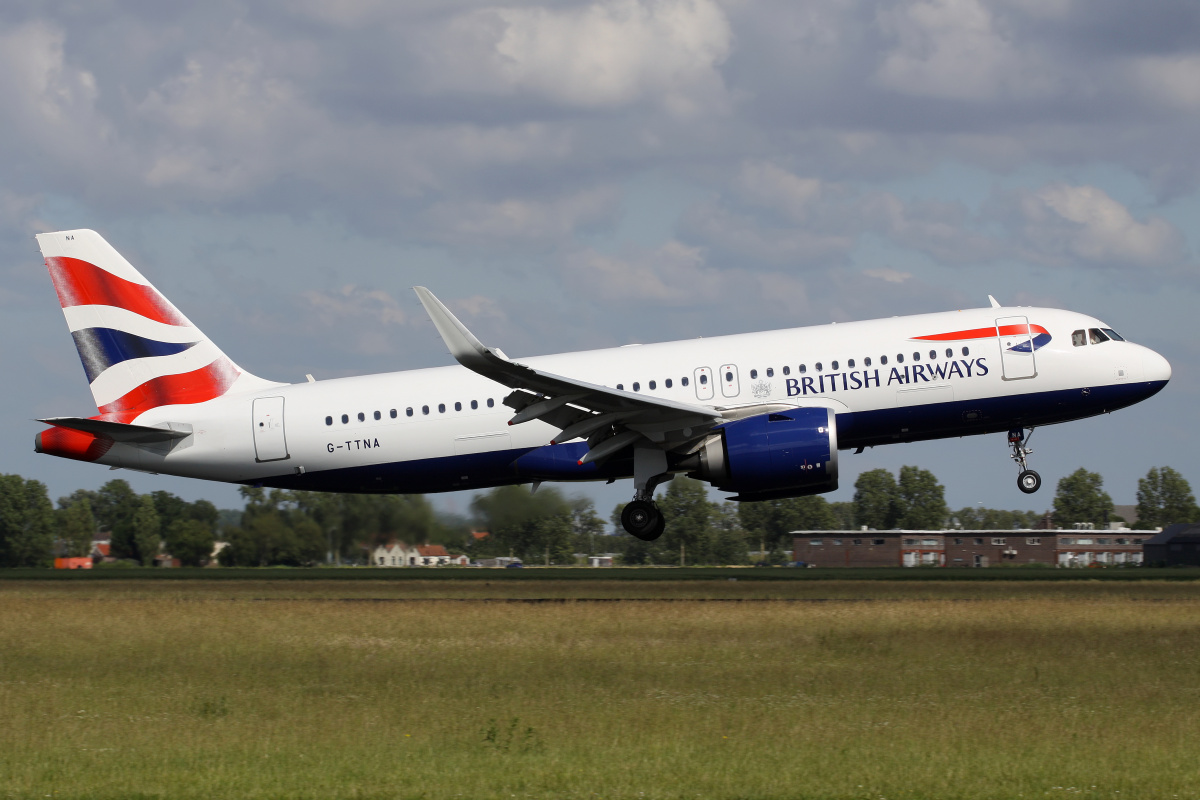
(1065, 224)
(601, 55)
(1174, 79)
(955, 49)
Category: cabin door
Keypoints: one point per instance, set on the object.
(270, 444)
(1017, 359)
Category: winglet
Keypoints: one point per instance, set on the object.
(992, 300)
(466, 349)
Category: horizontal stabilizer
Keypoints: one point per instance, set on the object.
(119, 431)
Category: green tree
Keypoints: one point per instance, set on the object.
(76, 527)
(688, 515)
(524, 524)
(844, 512)
(1081, 498)
(114, 506)
(26, 523)
(876, 500)
(189, 540)
(729, 540)
(587, 527)
(991, 519)
(147, 533)
(921, 500)
(1165, 497)
(769, 523)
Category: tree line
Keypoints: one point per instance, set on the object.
(277, 527)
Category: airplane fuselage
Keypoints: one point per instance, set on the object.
(444, 429)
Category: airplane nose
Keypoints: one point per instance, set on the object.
(1155, 367)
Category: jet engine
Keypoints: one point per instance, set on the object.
(780, 454)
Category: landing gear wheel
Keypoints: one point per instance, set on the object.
(1029, 481)
(641, 519)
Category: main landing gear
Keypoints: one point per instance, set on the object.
(641, 517)
(1028, 481)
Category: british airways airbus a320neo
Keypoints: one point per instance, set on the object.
(761, 415)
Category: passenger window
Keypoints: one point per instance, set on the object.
(637, 387)
(653, 386)
(787, 370)
(362, 417)
(867, 361)
(329, 420)
(1096, 336)
(1110, 333)
(392, 413)
(345, 419)
(932, 354)
(850, 364)
(620, 387)
(803, 369)
(729, 377)
(378, 415)
(753, 374)
(834, 365)
(668, 383)
(770, 372)
(474, 404)
(899, 358)
(491, 402)
(424, 409)
(408, 411)
(949, 353)
(966, 351)
(683, 381)
(458, 406)
(883, 360)
(916, 356)
(820, 367)
(703, 380)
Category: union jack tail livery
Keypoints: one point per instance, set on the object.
(138, 351)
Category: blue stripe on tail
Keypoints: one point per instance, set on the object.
(100, 348)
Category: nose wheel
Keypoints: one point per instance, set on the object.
(1028, 481)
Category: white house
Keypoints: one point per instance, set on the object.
(401, 554)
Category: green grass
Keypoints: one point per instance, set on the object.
(304, 689)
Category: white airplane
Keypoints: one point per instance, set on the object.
(761, 415)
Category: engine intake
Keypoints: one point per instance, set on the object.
(781, 454)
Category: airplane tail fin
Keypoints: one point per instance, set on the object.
(138, 350)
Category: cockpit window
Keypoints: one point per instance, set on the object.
(1096, 336)
(1113, 334)
(1079, 338)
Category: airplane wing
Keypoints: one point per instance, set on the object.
(610, 419)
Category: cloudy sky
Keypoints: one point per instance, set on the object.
(585, 174)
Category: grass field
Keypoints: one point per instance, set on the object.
(385, 688)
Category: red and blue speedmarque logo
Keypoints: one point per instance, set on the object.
(1039, 337)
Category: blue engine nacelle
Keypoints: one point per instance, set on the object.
(782, 454)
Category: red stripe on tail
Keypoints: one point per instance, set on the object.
(80, 283)
(190, 387)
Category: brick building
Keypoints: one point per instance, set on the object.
(1064, 548)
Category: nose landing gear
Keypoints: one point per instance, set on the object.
(1028, 481)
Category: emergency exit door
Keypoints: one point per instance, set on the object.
(270, 443)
